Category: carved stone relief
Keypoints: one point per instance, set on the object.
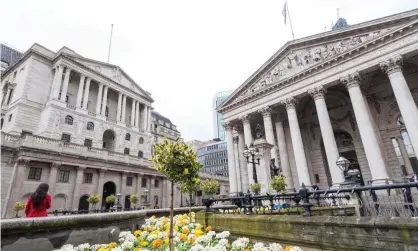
(299, 60)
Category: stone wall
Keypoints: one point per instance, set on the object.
(49, 233)
(320, 232)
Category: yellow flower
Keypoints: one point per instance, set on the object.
(137, 233)
(208, 228)
(185, 230)
(166, 241)
(183, 237)
(136, 249)
(157, 243)
(288, 248)
(112, 244)
(143, 243)
(247, 249)
(191, 240)
(102, 249)
(198, 232)
(165, 221)
(176, 227)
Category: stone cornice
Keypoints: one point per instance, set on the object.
(318, 68)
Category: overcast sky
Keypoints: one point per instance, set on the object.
(183, 52)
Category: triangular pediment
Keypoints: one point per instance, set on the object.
(308, 53)
(112, 72)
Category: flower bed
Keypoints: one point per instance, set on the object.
(188, 235)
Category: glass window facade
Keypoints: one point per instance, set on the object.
(214, 158)
(219, 99)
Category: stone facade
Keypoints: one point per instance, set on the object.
(80, 125)
(349, 92)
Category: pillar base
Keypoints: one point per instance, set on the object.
(81, 110)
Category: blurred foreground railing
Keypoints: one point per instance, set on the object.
(392, 200)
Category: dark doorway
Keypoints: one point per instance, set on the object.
(108, 140)
(109, 188)
(127, 202)
(83, 204)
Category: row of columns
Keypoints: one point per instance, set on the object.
(392, 67)
(5, 100)
(102, 97)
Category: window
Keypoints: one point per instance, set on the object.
(157, 183)
(127, 137)
(126, 151)
(35, 173)
(88, 178)
(88, 142)
(69, 120)
(144, 182)
(155, 127)
(141, 140)
(140, 154)
(129, 181)
(317, 180)
(90, 126)
(66, 137)
(2, 121)
(107, 111)
(63, 176)
(10, 117)
(104, 145)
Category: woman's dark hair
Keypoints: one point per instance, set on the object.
(39, 195)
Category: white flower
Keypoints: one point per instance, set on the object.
(197, 247)
(116, 249)
(275, 247)
(96, 247)
(240, 243)
(258, 247)
(295, 249)
(152, 237)
(83, 247)
(223, 235)
(127, 244)
(67, 247)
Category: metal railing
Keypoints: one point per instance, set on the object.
(391, 200)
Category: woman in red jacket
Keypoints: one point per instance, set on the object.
(38, 202)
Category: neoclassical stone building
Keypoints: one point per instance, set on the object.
(80, 125)
(348, 92)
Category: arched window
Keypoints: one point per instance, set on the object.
(126, 151)
(141, 140)
(90, 126)
(140, 154)
(69, 120)
(128, 137)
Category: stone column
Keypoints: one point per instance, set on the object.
(299, 151)
(80, 91)
(237, 162)
(151, 186)
(243, 166)
(268, 128)
(52, 180)
(100, 183)
(263, 171)
(231, 159)
(77, 186)
(104, 100)
(56, 85)
(133, 114)
(405, 155)
(123, 188)
(248, 141)
(99, 99)
(123, 108)
(9, 90)
(14, 191)
(284, 157)
(149, 118)
(331, 149)
(138, 184)
(65, 85)
(144, 116)
(118, 114)
(374, 156)
(86, 94)
(137, 114)
(393, 68)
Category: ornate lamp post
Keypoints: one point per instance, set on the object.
(118, 205)
(351, 177)
(255, 154)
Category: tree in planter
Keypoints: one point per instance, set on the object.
(278, 183)
(177, 161)
(210, 187)
(111, 199)
(190, 185)
(255, 188)
(133, 199)
(18, 206)
(93, 200)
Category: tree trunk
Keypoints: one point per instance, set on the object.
(190, 206)
(171, 237)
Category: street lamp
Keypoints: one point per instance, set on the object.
(255, 154)
(343, 164)
(118, 205)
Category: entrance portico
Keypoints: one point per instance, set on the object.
(341, 93)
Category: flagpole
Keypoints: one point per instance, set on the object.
(110, 44)
(290, 20)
